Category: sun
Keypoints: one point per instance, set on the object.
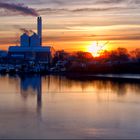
(96, 48)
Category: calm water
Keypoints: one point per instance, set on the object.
(56, 107)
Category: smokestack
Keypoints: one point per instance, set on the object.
(39, 29)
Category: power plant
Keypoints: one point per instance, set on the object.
(31, 46)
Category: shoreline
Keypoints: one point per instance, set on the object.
(112, 77)
(85, 77)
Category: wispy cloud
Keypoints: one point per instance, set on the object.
(116, 37)
(8, 40)
(75, 6)
(110, 1)
(5, 41)
(18, 8)
(93, 37)
(79, 10)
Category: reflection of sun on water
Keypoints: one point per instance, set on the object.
(96, 48)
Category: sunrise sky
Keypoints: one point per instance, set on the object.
(73, 24)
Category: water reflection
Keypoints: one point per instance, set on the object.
(35, 106)
(57, 84)
(32, 85)
(104, 90)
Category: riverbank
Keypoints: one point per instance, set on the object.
(112, 77)
(130, 78)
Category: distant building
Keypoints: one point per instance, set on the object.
(3, 54)
(31, 47)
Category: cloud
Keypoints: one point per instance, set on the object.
(8, 40)
(19, 8)
(78, 3)
(72, 38)
(97, 9)
(40, 2)
(109, 1)
(58, 11)
(117, 2)
(131, 37)
(27, 31)
(120, 9)
(75, 6)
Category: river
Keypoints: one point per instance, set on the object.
(41, 107)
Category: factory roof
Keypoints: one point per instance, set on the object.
(25, 34)
(34, 35)
(30, 49)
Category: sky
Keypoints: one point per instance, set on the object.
(73, 25)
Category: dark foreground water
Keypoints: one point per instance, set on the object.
(33, 106)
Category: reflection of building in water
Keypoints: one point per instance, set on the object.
(31, 85)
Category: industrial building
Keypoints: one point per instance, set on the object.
(31, 47)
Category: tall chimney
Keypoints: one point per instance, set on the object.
(39, 29)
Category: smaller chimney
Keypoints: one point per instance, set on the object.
(39, 29)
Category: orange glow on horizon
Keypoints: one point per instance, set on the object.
(83, 45)
(96, 48)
